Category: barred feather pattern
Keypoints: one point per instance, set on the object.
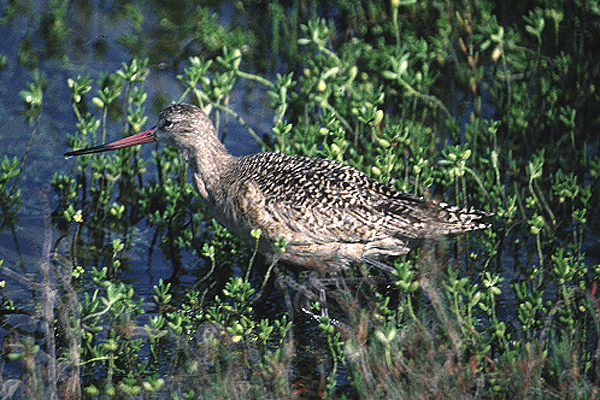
(329, 213)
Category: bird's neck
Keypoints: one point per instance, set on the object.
(209, 163)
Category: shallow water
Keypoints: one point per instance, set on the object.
(93, 27)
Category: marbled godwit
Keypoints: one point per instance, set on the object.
(328, 213)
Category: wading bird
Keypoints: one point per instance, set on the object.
(329, 214)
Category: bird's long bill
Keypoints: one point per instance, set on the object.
(140, 138)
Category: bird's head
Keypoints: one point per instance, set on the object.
(180, 125)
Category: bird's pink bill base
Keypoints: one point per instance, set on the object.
(139, 138)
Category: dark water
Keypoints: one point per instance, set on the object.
(91, 27)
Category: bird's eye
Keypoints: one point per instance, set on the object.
(166, 123)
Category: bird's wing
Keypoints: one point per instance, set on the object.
(325, 200)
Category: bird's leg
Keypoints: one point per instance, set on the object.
(283, 281)
(317, 283)
(323, 302)
(389, 271)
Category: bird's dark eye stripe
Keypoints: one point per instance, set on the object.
(166, 123)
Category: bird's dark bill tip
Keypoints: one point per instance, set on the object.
(140, 138)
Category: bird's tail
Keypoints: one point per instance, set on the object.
(453, 220)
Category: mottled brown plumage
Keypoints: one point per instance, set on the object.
(329, 213)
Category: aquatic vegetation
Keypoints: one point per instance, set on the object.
(438, 99)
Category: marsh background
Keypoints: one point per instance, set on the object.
(114, 282)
